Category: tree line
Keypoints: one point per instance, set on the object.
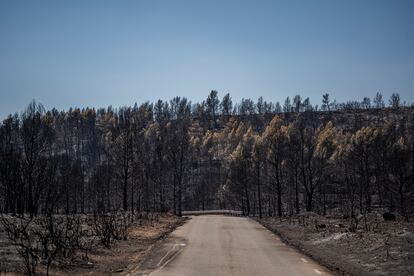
(258, 157)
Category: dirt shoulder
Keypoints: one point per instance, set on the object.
(375, 248)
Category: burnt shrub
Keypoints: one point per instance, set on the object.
(45, 239)
(112, 226)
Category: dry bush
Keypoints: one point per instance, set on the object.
(20, 233)
(112, 226)
(59, 239)
(143, 218)
(45, 239)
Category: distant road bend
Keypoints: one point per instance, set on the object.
(225, 245)
(213, 212)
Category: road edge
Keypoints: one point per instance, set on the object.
(159, 240)
(301, 248)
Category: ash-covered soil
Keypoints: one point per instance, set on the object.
(122, 257)
(371, 247)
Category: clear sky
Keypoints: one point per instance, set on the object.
(100, 53)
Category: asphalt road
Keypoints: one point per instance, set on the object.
(222, 245)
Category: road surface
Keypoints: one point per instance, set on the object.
(221, 245)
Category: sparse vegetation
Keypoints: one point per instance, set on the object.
(69, 179)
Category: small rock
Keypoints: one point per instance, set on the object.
(388, 216)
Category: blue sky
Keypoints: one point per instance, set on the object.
(100, 53)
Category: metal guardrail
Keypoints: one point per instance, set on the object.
(213, 212)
